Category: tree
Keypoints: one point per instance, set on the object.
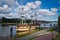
(59, 21)
(28, 21)
(3, 20)
(6, 20)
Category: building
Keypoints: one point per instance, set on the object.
(49, 25)
(8, 30)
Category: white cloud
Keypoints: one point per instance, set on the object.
(50, 13)
(23, 9)
(16, 15)
(28, 17)
(34, 5)
(54, 9)
(6, 15)
(11, 2)
(17, 3)
(5, 9)
(38, 17)
(1, 15)
(13, 15)
(47, 12)
(0, 2)
(30, 4)
(42, 11)
(41, 16)
(38, 3)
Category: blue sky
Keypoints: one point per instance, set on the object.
(45, 6)
(45, 3)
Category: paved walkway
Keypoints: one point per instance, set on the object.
(34, 35)
(47, 36)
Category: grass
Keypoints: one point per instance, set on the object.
(22, 34)
(58, 35)
(51, 30)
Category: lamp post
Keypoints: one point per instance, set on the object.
(22, 19)
(31, 19)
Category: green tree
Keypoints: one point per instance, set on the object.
(59, 21)
(28, 21)
(3, 20)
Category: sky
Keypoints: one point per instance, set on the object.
(40, 9)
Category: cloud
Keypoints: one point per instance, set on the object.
(29, 4)
(39, 17)
(11, 3)
(17, 15)
(5, 9)
(42, 11)
(50, 13)
(1, 15)
(38, 3)
(28, 17)
(6, 15)
(9, 10)
(33, 5)
(12, 15)
(53, 11)
(0, 2)
(23, 9)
